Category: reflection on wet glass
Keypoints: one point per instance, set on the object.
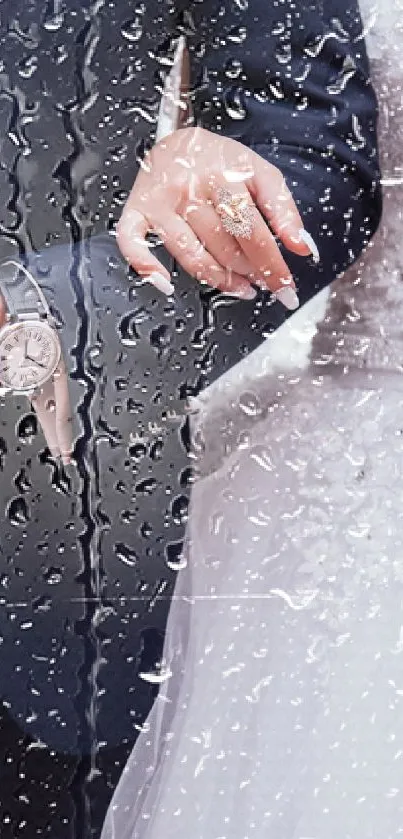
(261, 515)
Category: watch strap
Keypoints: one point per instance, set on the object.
(64, 418)
(52, 407)
(20, 290)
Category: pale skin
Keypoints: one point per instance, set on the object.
(175, 195)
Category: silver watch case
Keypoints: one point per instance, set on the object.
(10, 329)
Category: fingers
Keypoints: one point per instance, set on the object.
(131, 234)
(275, 201)
(202, 218)
(187, 249)
(261, 250)
(184, 246)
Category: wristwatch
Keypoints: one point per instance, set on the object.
(31, 359)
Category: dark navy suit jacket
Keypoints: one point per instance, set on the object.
(85, 584)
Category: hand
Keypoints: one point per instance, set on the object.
(176, 194)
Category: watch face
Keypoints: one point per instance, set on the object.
(29, 354)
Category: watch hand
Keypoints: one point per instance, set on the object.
(35, 361)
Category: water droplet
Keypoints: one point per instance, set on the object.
(126, 554)
(61, 53)
(27, 66)
(249, 404)
(137, 451)
(283, 53)
(233, 69)
(121, 384)
(17, 512)
(238, 177)
(53, 22)
(132, 30)
(359, 140)
(146, 530)
(234, 106)
(174, 557)
(53, 576)
(179, 509)
(262, 457)
(161, 336)
(127, 330)
(156, 450)
(3, 451)
(95, 352)
(156, 677)
(278, 28)
(216, 522)
(27, 428)
(237, 35)
(187, 477)
(147, 486)
(313, 48)
(22, 482)
(339, 32)
(42, 604)
(348, 70)
(26, 625)
(128, 516)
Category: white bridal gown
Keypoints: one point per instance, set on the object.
(281, 712)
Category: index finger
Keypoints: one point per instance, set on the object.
(257, 242)
(275, 201)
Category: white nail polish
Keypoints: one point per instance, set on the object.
(288, 297)
(306, 237)
(159, 281)
(243, 293)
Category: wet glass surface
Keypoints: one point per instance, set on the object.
(240, 511)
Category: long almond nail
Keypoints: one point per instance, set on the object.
(306, 237)
(288, 297)
(159, 281)
(247, 293)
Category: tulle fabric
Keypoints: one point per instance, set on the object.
(282, 706)
(281, 714)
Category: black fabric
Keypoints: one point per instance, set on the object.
(84, 555)
(292, 82)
